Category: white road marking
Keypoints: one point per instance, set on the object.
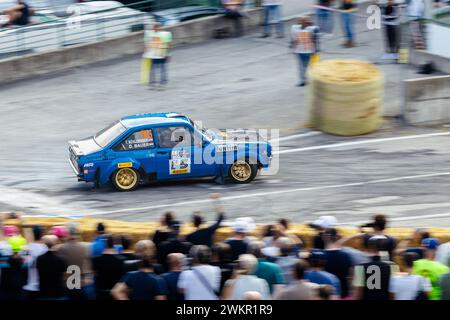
(268, 193)
(361, 142)
(300, 135)
(376, 200)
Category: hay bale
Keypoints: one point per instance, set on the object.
(345, 97)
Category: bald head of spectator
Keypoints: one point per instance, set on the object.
(252, 295)
(175, 262)
(246, 263)
(50, 241)
(145, 248)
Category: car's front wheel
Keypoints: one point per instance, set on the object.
(242, 171)
(125, 179)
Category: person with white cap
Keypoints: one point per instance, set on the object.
(321, 225)
(239, 242)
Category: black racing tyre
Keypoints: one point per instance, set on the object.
(125, 179)
(242, 171)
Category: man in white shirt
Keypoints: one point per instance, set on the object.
(304, 40)
(202, 281)
(408, 286)
(35, 248)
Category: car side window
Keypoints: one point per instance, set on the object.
(171, 137)
(139, 140)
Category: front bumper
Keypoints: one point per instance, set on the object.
(79, 174)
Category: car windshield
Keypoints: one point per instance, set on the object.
(107, 135)
(202, 129)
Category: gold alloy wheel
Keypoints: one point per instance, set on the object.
(126, 178)
(241, 170)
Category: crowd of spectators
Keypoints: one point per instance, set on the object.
(276, 264)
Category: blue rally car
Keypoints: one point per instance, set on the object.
(167, 146)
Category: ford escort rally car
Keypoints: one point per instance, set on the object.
(166, 146)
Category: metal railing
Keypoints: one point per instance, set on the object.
(54, 31)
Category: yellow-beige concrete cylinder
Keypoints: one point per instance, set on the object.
(345, 97)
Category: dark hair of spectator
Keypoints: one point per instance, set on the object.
(409, 258)
(200, 254)
(37, 232)
(380, 222)
(101, 229)
(268, 231)
(222, 252)
(126, 242)
(197, 220)
(425, 235)
(168, 218)
(110, 241)
(299, 269)
(284, 223)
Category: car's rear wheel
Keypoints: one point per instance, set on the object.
(242, 171)
(125, 179)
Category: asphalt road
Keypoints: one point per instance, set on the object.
(234, 83)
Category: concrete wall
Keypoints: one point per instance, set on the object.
(427, 100)
(420, 57)
(189, 32)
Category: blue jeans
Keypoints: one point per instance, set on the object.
(303, 62)
(347, 24)
(325, 20)
(161, 65)
(273, 13)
